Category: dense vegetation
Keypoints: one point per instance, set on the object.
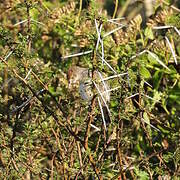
(48, 132)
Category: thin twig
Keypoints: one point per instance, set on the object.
(132, 96)
(108, 65)
(113, 89)
(115, 19)
(80, 156)
(157, 59)
(148, 84)
(136, 55)
(90, 120)
(95, 127)
(28, 6)
(150, 124)
(98, 33)
(171, 48)
(114, 22)
(119, 131)
(173, 7)
(115, 76)
(104, 84)
(102, 114)
(102, 97)
(21, 22)
(9, 54)
(153, 55)
(102, 51)
(77, 54)
(37, 22)
(176, 29)
(150, 97)
(28, 74)
(114, 30)
(162, 27)
(167, 27)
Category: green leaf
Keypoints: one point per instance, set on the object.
(165, 131)
(152, 59)
(146, 118)
(142, 175)
(157, 96)
(149, 33)
(51, 89)
(157, 79)
(164, 103)
(145, 73)
(114, 103)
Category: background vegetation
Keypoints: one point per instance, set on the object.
(45, 127)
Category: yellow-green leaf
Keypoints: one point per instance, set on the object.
(145, 73)
(149, 33)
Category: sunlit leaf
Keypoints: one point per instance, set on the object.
(146, 118)
(145, 73)
(149, 33)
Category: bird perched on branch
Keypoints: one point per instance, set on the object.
(81, 78)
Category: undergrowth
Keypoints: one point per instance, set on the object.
(48, 131)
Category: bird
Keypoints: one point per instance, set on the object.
(81, 78)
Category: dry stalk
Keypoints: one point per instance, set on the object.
(118, 138)
(80, 155)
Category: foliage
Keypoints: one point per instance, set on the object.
(45, 128)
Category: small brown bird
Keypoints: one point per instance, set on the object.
(79, 77)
